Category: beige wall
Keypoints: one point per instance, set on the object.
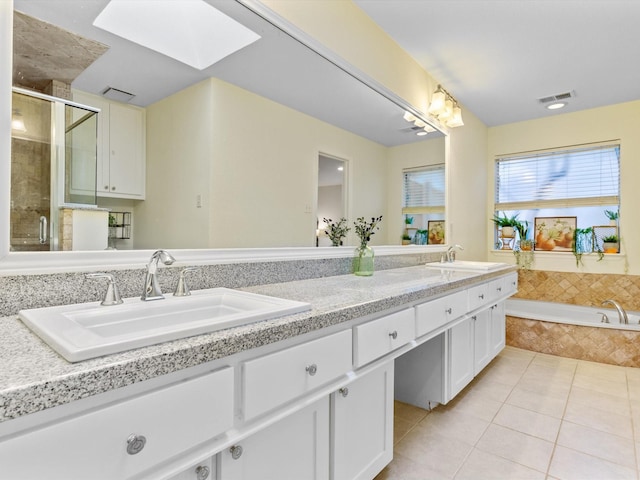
(614, 122)
(254, 162)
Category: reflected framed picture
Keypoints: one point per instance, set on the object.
(435, 232)
(554, 234)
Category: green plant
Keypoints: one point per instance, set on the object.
(406, 237)
(504, 221)
(580, 249)
(523, 229)
(611, 215)
(610, 239)
(365, 229)
(336, 231)
(408, 220)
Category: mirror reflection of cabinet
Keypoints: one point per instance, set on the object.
(121, 147)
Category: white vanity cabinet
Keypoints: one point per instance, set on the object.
(362, 425)
(378, 337)
(125, 438)
(205, 470)
(121, 145)
(296, 447)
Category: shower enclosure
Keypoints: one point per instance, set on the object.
(53, 167)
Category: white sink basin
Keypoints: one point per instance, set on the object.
(88, 330)
(467, 265)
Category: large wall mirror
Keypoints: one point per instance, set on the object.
(232, 150)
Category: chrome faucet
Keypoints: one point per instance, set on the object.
(622, 315)
(151, 288)
(451, 252)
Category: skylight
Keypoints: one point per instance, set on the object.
(190, 31)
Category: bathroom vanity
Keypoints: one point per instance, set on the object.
(305, 396)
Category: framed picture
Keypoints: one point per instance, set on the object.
(435, 229)
(554, 234)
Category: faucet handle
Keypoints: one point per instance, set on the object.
(112, 295)
(182, 289)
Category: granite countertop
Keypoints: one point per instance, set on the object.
(33, 377)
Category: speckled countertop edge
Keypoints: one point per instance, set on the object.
(33, 377)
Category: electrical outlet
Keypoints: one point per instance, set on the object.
(198, 201)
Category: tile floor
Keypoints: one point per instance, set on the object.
(526, 416)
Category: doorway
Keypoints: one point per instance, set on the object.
(332, 196)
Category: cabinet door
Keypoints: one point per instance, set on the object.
(498, 329)
(296, 447)
(482, 351)
(126, 151)
(461, 359)
(362, 426)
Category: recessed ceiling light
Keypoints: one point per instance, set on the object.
(340, 169)
(421, 133)
(555, 106)
(190, 31)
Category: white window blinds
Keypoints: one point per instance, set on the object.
(424, 190)
(577, 177)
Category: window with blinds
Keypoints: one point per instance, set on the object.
(562, 179)
(424, 190)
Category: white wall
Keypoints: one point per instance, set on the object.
(255, 164)
(614, 122)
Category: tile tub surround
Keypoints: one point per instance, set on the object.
(588, 289)
(603, 345)
(34, 377)
(34, 291)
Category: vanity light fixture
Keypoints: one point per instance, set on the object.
(420, 127)
(160, 25)
(445, 108)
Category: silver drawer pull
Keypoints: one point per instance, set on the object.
(448, 310)
(394, 334)
(499, 289)
(344, 391)
(312, 369)
(202, 472)
(135, 443)
(236, 452)
(481, 296)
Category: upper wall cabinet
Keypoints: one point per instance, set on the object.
(121, 147)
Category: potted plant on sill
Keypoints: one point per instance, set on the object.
(611, 244)
(406, 239)
(612, 216)
(507, 228)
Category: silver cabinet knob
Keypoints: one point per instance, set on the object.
(448, 310)
(394, 334)
(135, 443)
(312, 369)
(106, 187)
(202, 472)
(481, 296)
(499, 289)
(236, 452)
(344, 391)
(113, 188)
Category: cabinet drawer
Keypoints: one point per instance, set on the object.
(481, 295)
(274, 379)
(94, 445)
(438, 312)
(510, 284)
(379, 337)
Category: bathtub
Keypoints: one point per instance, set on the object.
(573, 331)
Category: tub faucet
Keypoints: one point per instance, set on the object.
(622, 315)
(151, 288)
(451, 253)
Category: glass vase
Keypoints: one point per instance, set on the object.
(363, 262)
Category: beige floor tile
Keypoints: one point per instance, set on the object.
(592, 416)
(526, 421)
(456, 426)
(408, 412)
(536, 382)
(485, 466)
(518, 447)
(610, 373)
(555, 373)
(490, 389)
(554, 361)
(634, 390)
(402, 468)
(600, 400)
(633, 374)
(568, 464)
(507, 374)
(599, 444)
(434, 451)
(474, 405)
(552, 404)
(400, 428)
(602, 385)
(517, 353)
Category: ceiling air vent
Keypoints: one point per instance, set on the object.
(117, 95)
(557, 97)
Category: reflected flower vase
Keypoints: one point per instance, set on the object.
(363, 261)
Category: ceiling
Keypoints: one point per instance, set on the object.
(497, 57)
